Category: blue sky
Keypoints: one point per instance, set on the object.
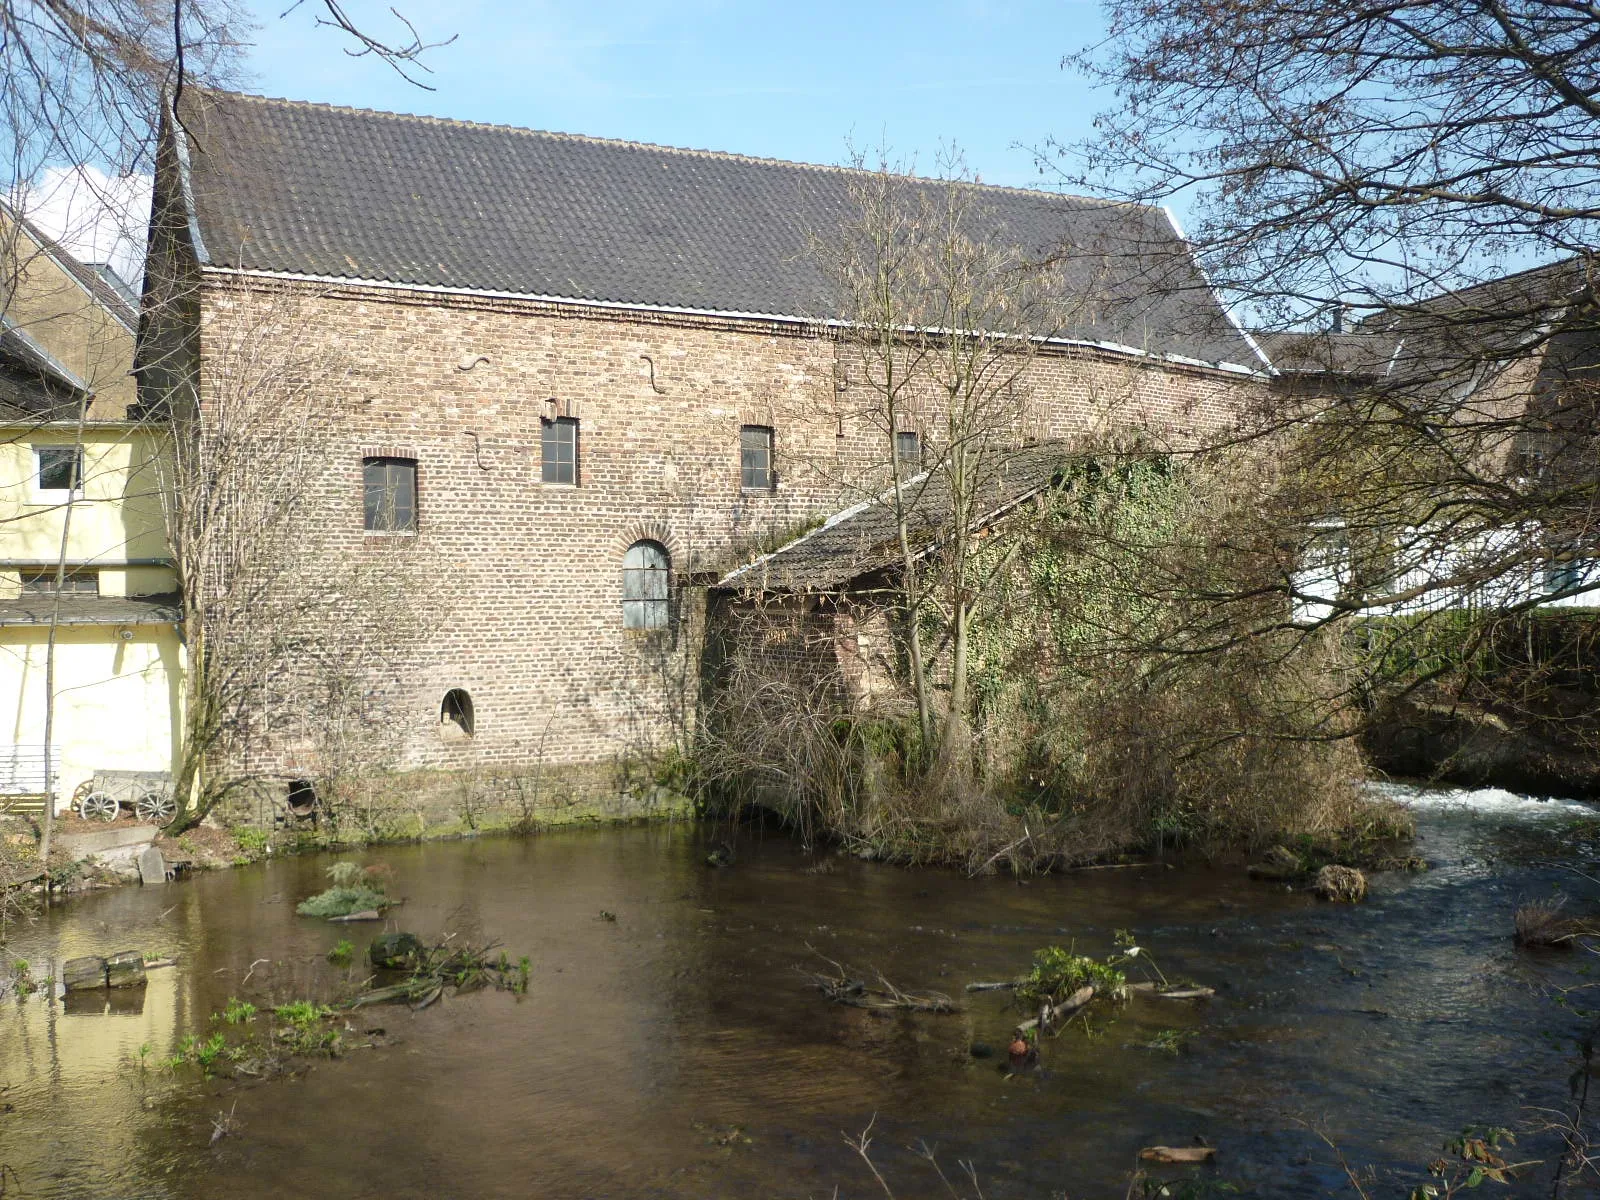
(783, 80)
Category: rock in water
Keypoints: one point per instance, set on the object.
(1279, 863)
(1344, 885)
(125, 969)
(83, 974)
(152, 867)
(396, 951)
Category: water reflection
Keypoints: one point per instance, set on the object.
(677, 1052)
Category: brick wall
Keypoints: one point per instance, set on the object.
(524, 578)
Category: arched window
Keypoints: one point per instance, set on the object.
(455, 714)
(645, 571)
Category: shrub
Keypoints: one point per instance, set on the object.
(355, 889)
(1057, 973)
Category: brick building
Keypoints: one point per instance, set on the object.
(586, 378)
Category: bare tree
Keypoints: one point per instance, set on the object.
(86, 84)
(943, 316)
(1410, 188)
(289, 636)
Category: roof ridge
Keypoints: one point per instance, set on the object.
(689, 151)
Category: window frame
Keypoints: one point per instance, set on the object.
(368, 513)
(646, 578)
(552, 425)
(40, 581)
(747, 472)
(915, 457)
(44, 495)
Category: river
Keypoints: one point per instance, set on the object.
(676, 1051)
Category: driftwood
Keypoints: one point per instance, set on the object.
(1049, 1014)
(369, 914)
(1161, 991)
(884, 996)
(1177, 1154)
(992, 987)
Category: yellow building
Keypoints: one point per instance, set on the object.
(79, 489)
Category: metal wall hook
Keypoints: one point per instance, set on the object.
(477, 449)
(654, 387)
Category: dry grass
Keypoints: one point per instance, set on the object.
(1543, 924)
(1342, 885)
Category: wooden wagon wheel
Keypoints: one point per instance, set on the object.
(155, 807)
(80, 794)
(99, 806)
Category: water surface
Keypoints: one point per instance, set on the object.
(677, 1051)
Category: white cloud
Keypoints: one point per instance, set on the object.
(98, 218)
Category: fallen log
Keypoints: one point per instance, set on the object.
(992, 987)
(1050, 1014)
(857, 993)
(1151, 988)
(1177, 1154)
(369, 914)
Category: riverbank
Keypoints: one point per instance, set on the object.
(212, 845)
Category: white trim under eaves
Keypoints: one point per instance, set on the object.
(1177, 229)
(785, 318)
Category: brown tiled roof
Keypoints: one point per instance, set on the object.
(1454, 332)
(310, 189)
(1325, 352)
(864, 538)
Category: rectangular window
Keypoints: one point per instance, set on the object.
(60, 470)
(42, 582)
(1563, 574)
(560, 450)
(390, 486)
(908, 448)
(755, 458)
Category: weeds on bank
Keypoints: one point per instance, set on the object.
(342, 953)
(253, 843)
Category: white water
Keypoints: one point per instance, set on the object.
(1489, 802)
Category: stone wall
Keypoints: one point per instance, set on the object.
(523, 578)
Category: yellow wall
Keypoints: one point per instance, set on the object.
(117, 699)
(119, 517)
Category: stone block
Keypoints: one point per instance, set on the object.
(83, 974)
(152, 867)
(125, 969)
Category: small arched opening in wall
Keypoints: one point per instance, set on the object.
(455, 715)
(301, 798)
